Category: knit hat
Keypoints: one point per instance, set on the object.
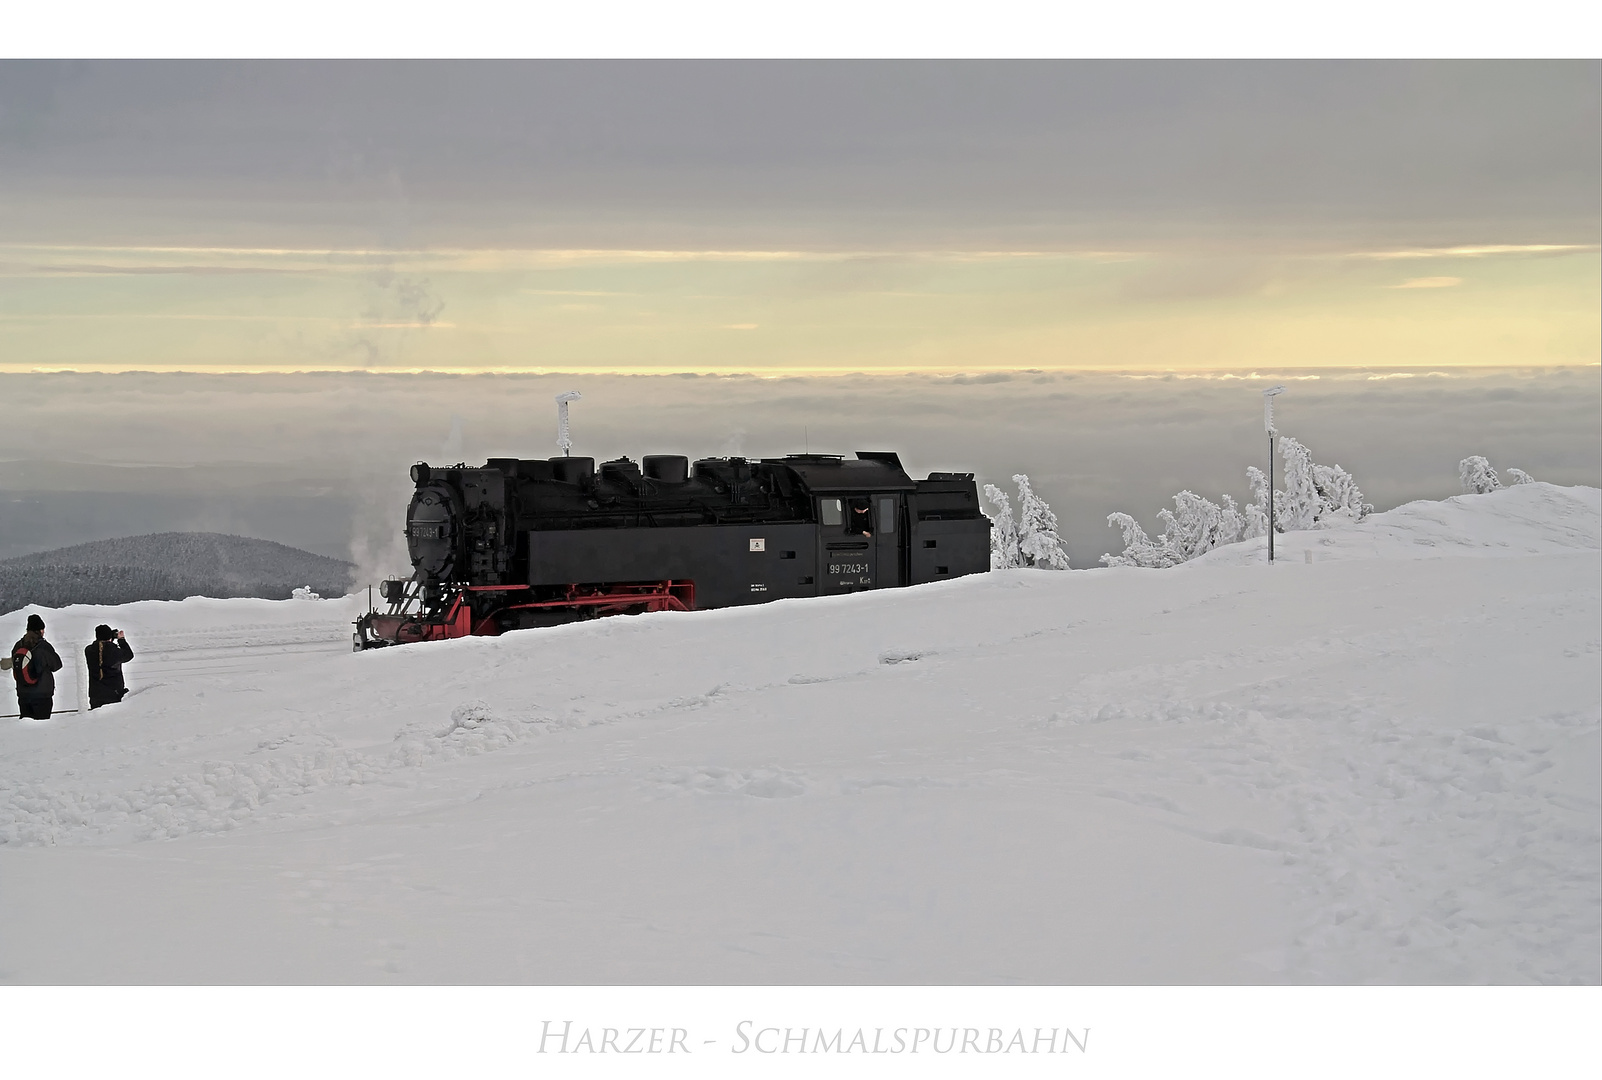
(103, 633)
(35, 624)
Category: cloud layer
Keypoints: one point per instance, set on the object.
(320, 461)
(837, 154)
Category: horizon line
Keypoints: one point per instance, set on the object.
(1308, 371)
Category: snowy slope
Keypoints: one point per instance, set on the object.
(166, 566)
(1382, 766)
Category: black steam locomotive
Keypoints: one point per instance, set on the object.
(524, 543)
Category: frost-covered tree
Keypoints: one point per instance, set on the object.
(1031, 541)
(1139, 549)
(1004, 553)
(1315, 497)
(1038, 542)
(1339, 497)
(1477, 475)
(1519, 476)
(1256, 512)
(1195, 526)
(1296, 508)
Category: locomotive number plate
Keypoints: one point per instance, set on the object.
(848, 568)
(428, 532)
(759, 545)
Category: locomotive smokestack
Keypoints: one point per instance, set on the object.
(564, 443)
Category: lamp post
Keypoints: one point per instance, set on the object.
(563, 442)
(1268, 425)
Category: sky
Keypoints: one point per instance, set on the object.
(798, 217)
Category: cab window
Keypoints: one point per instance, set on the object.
(887, 516)
(859, 517)
(830, 511)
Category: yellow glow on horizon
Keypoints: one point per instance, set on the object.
(785, 313)
(511, 258)
(1475, 251)
(1429, 283)
(1244, 374)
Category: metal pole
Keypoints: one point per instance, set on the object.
(1268, 425)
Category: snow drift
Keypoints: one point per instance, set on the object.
(1377, 766)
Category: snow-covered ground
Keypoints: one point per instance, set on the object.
(1378, 766)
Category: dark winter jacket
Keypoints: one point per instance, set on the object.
(105, 659)
(33, 664)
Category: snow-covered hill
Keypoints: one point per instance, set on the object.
(166, 566)
(1379, 766)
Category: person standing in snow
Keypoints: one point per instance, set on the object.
(105, 658)
(34, 662)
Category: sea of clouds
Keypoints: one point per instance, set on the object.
(320, 461)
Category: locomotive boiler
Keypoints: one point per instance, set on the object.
(520, 543)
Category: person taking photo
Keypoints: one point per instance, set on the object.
(105, 656)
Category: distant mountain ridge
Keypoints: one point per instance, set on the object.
(167, 566)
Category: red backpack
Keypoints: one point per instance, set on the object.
(22, 666)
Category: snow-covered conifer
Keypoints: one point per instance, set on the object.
(1519, 476)
(1256, 513)
(1038, 542)
(1296, 507)
(1477, 475)
(1004, 553)
(1195, 526)
(1139, 549)
(1339, 498)
(1315, 496)
(1231, 523)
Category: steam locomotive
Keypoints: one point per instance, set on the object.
(524, 543)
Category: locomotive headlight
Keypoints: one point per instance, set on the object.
(420, 474)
